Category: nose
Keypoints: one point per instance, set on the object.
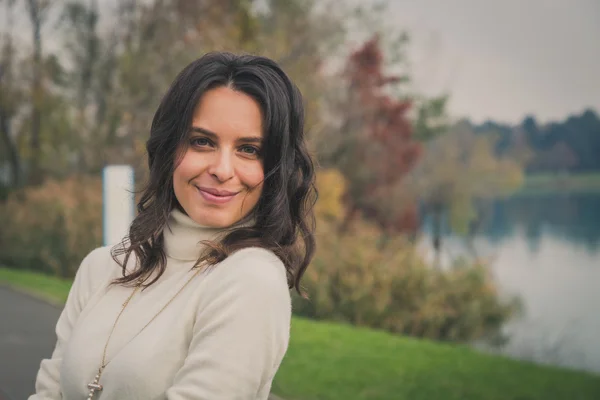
(222, 166)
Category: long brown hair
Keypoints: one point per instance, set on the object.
(284, 221)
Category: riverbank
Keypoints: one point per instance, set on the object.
(338, 362)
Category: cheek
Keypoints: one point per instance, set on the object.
(252, 177)
(183, 173)
(178, 178)
(189, 167)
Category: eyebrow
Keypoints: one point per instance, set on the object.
(212, 135)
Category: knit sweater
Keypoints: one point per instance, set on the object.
(222, 337)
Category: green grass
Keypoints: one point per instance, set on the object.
(328, 361)
(331, 361)
(46, 287)
(554, 183)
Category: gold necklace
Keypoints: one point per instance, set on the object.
(95, 386)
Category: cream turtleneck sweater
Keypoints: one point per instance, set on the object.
(223, 337)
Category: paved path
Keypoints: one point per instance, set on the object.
(26, 337)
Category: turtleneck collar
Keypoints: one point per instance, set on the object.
(182, 236)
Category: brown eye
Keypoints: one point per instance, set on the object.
(200, 142)
(250, 150)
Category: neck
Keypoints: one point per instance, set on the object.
(183, 236)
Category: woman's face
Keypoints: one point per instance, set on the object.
(220, 178)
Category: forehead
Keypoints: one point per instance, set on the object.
(225, 111)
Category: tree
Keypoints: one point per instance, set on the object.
(82, 44)
(460, 167)
(37, 10)
(9, 97)
(571, 145)
(89, 83)
(372, 141)
(93, 105)
(432, 119)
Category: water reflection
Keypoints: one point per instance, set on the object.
(545, 249)
(574, 218)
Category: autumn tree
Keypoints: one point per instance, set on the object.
(459, 168)
(371, 141)
(91, 103)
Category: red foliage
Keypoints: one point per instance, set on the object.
(385, 119)
(387, 148)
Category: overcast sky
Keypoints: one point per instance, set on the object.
(501, 59)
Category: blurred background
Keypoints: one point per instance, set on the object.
(458, 146)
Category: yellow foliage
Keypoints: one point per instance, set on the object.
(459, 167)
(332, 187)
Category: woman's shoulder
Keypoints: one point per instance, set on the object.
(256, 261)
(249, 283)
(253, 267)
(258, 254)
(99, 264)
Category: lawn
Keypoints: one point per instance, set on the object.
(327, 361)
(335, 362)
(46, 287)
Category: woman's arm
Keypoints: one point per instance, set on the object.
(241, 331)
(47, 385)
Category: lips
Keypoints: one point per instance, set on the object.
(217, 192)
(216, 196)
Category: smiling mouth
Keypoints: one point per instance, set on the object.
(216, 196)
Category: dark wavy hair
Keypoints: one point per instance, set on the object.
(284, 220)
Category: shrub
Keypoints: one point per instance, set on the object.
(355, 279)
(364, 278)
(51, 228)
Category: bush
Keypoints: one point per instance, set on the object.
(51, 228)
(361, 277)
(356, 279)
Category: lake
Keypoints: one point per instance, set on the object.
(546, 250)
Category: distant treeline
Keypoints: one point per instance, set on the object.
(571, 146)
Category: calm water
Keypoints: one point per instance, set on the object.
(546, 250)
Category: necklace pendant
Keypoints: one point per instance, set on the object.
(94, 386)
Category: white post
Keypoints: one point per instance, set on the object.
(118, 202)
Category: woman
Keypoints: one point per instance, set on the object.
(195, 303)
